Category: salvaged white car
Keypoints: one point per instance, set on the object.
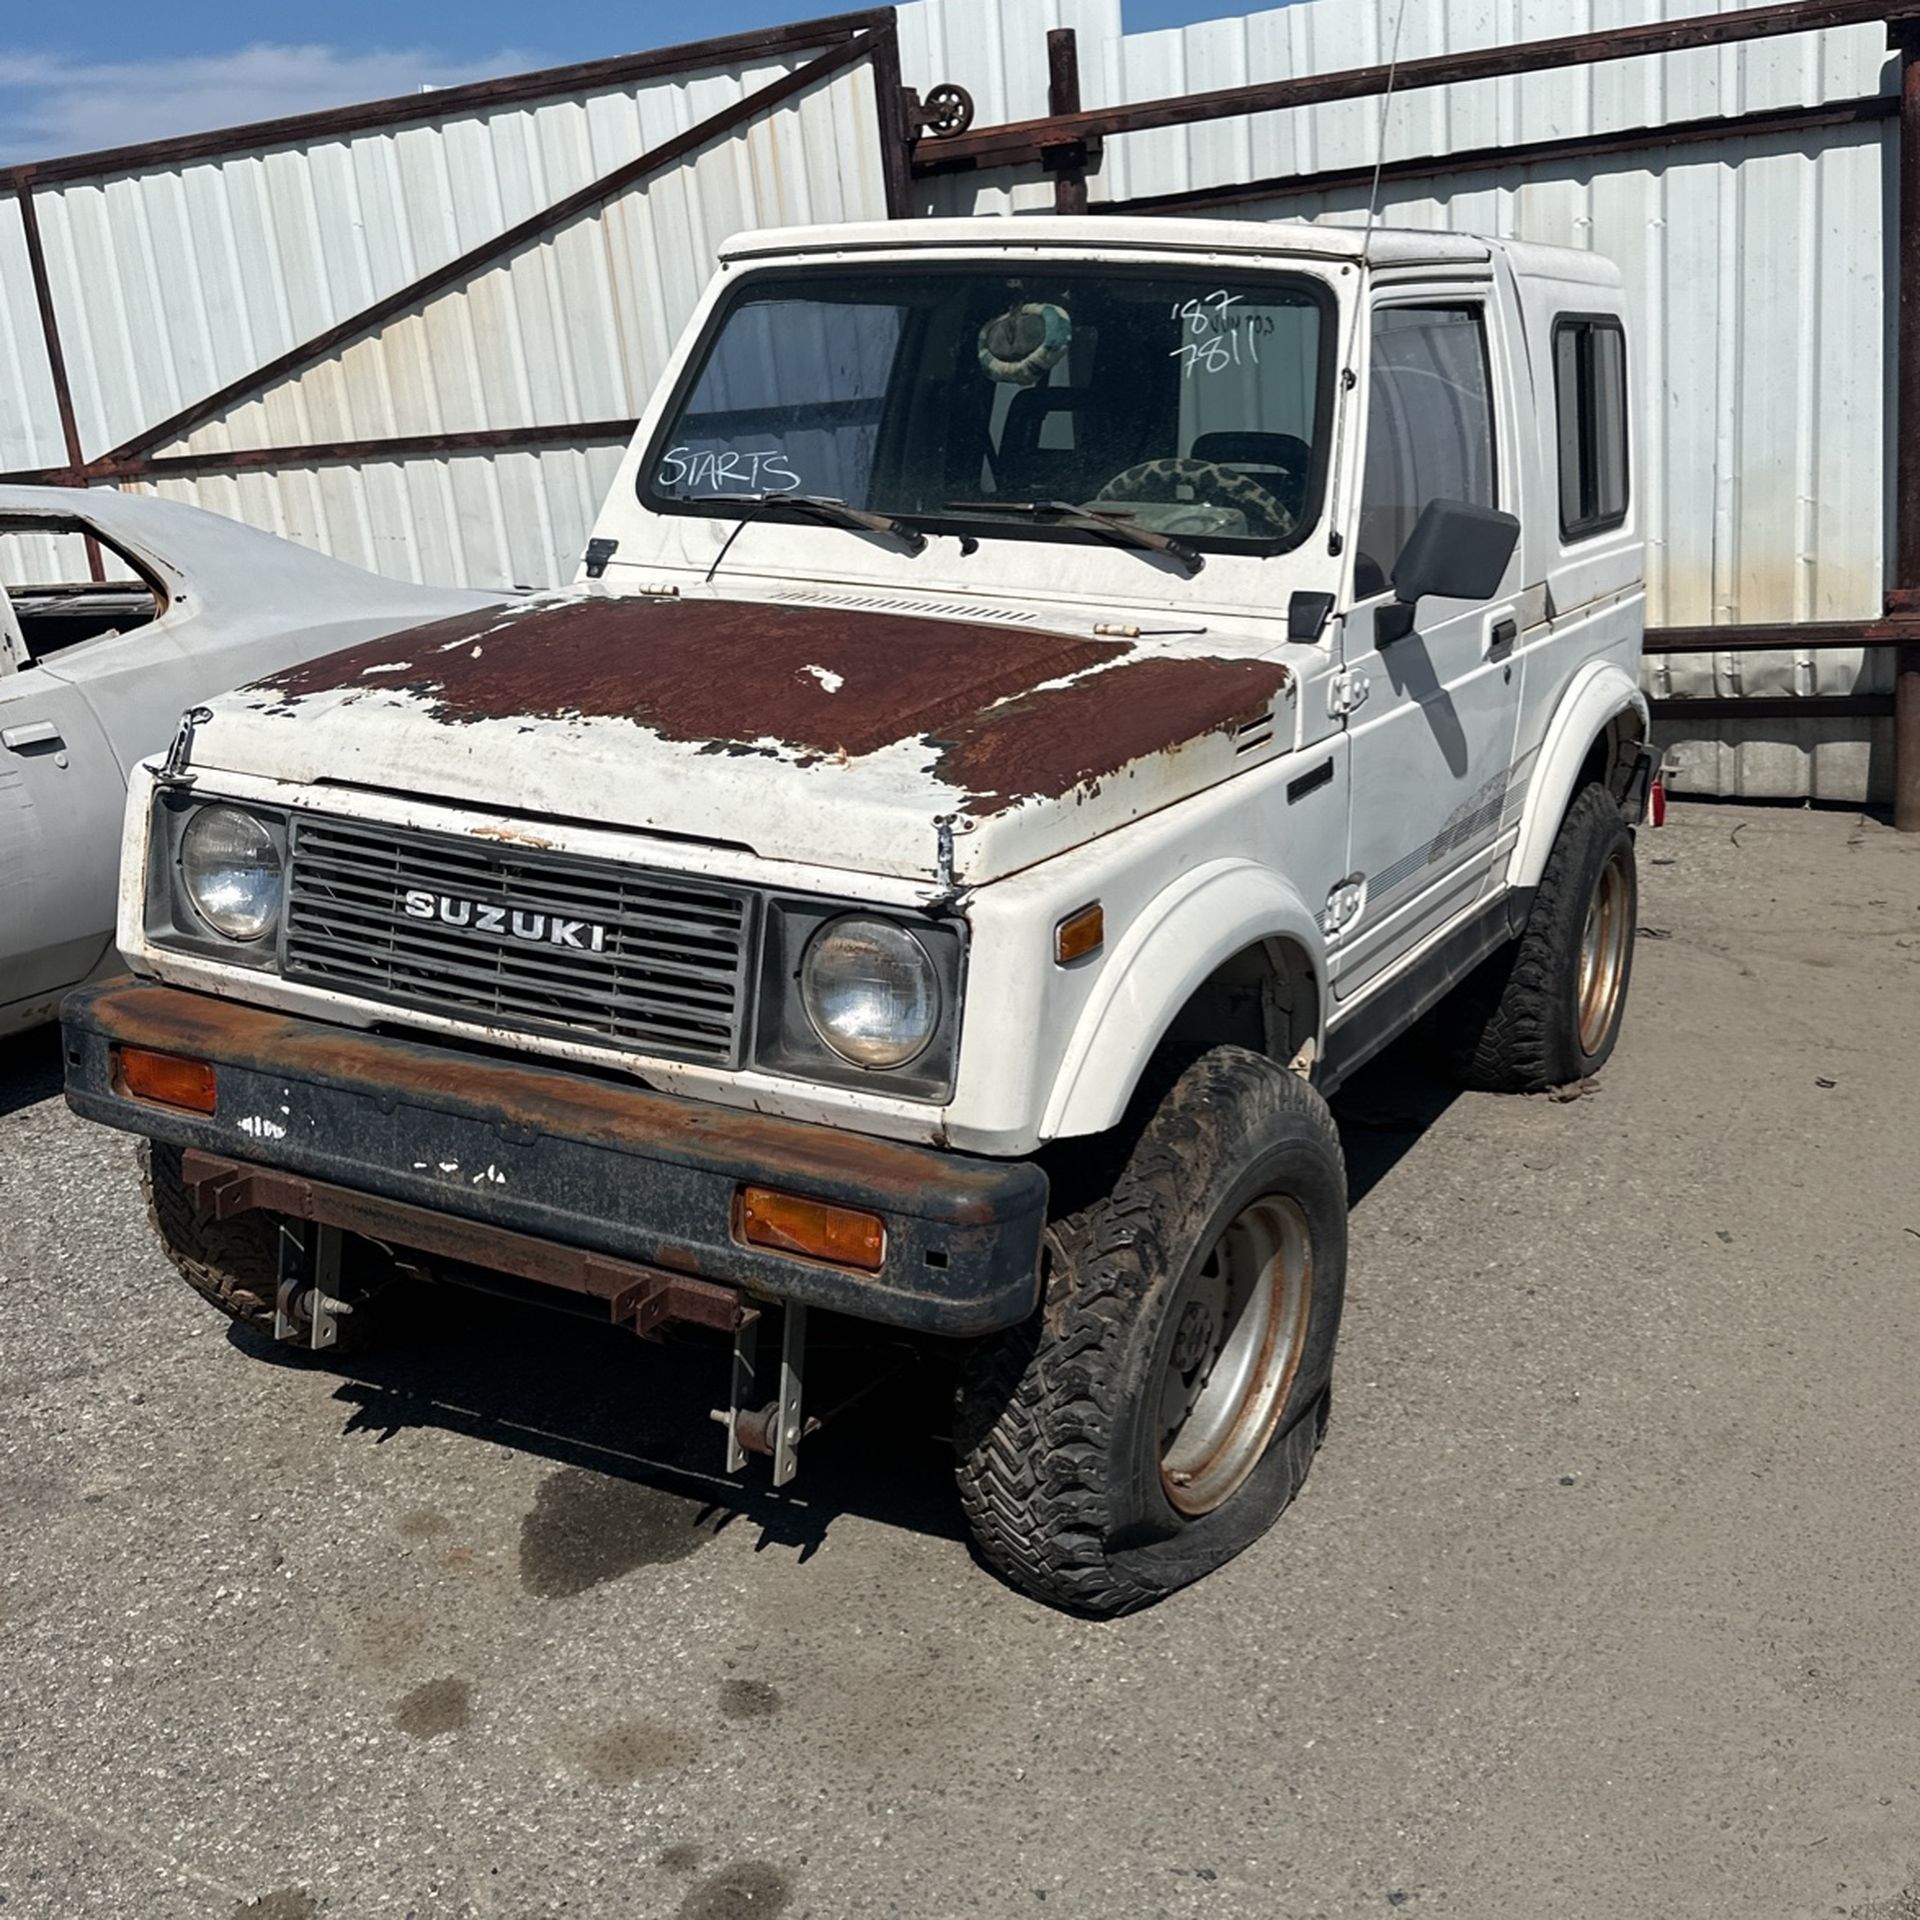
(116, 612)
(1045, 701)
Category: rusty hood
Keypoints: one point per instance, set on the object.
(832, 736)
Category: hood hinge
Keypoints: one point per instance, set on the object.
(1347, 691)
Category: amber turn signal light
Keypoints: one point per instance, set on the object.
(166, 1079)
(1079, 934)
(786, 1223)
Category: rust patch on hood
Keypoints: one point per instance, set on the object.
(820, 680)
(1048, 743)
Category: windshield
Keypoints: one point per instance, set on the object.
(1192, 404)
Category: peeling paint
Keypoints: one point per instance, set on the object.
(1061, 738)
(727, 672)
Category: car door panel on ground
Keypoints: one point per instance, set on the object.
(1431, 740)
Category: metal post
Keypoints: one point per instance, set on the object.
(56, 354)
(1068, 165)
(896, 136)
(1906, 498)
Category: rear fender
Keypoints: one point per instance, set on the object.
(1595, 697)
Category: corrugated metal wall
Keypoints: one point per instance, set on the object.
(173, 282)
(1757, 268)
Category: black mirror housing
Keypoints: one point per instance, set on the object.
(1308, 614)
(1456, 551)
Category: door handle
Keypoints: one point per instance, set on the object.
(36, 733)
(1502, 636)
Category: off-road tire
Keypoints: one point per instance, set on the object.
(1514, 1025)
(235, 1264)
(1057, 1423)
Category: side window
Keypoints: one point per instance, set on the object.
(1590, 390)
(1429, 428)
(47, 570)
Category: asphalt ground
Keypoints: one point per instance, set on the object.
(1599, 1600)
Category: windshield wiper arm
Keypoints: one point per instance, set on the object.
(1115, 525)
(836, 513)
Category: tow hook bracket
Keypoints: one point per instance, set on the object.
(307, 1305)
(778, 1427)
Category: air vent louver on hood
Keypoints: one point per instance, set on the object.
(887, 603)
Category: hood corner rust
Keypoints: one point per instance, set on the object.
(1058, 740)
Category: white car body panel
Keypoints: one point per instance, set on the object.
(234, 602)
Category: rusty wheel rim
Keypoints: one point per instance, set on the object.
(1239, 1328)
(1603, 953)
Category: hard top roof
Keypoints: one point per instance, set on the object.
(1266, 239)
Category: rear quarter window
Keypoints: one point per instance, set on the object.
(1590, 389)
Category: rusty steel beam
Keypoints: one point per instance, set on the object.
(896, 137)
(1067, 164)
(1906, 486)
(1027, 140)
(1833, 706)
(414, 446)
(1868, 110)
(465, 265)
(56, 354)
(1782, 638)
(413, 108)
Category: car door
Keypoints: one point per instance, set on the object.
(61, 798)
(1432, 713)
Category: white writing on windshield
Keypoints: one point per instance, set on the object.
(1221, 337)
(760, 471)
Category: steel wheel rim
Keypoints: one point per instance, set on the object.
(1603, 953)
(1239, 1328)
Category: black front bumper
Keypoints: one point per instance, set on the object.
(570, 1158)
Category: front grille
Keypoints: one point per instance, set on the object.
(669, 978)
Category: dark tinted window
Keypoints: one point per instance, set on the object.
(1590, 382)
(1429, 428)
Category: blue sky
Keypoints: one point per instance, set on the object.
(73, 78)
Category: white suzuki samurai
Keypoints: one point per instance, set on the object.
(1044, 701)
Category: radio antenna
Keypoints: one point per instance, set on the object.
(1386, 107)
(1373, 205)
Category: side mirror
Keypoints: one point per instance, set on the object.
(1455, 552)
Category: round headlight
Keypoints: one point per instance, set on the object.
(232, 872)
(871, 991)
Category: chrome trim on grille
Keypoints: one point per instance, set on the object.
(673, 980)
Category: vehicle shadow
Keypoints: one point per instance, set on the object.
(594, 1399)
(1385, 1109)
(29, 1069)
(618, 1411)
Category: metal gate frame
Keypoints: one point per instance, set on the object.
(1067, 141)
(846, 39)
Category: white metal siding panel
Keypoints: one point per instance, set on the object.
(173, 283)
(29, 413)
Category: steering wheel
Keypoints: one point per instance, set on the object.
(1158, 481)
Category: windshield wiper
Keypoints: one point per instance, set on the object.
(835, 512)
(1115, 525)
